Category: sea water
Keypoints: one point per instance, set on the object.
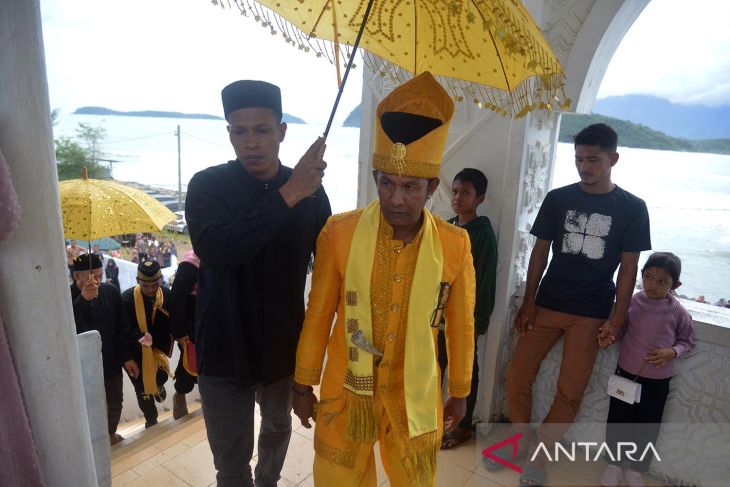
(688, 197)
(688, 194)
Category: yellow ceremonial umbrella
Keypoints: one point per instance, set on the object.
(94, 208)
(489, 52)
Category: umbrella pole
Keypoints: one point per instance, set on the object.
(349, 65)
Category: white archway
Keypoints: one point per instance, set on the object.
(516, 155)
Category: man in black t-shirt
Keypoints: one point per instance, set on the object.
(594, 227)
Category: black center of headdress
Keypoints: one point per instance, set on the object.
(406, 127)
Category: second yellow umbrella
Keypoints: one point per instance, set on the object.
(94, 208)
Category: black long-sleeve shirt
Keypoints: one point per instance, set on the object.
(254, 253)
(182, 301)
(104, 314)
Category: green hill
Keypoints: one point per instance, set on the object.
(629, 134)
(639, 136)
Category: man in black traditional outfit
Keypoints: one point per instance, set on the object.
(182, 306)
(98, 306)
(146, 310)
(253, 223)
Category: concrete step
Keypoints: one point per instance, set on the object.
(164, 434)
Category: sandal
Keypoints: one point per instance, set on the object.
(455, 438)
(532, 476)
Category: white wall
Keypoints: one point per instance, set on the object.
(34, 297)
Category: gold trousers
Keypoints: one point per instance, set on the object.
(363, 474)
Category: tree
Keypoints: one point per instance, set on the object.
(54, 116)
(71, 158)
(92, 137)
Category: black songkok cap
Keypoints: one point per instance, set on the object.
(149, 271)
(81, 263)
(251, 94)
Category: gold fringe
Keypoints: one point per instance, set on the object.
(543, 91)
(362, 426)
(165, 366)
(338, 456)
(420, 462)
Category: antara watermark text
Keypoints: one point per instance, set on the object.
(592, 451)
(622, 451)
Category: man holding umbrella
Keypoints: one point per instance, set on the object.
(98, 306)
(390, 273)
(253, 223)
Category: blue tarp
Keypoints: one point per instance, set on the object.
(105, 243)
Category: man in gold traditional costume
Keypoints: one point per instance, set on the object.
(391, 272)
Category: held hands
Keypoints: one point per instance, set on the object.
(307, 176)
(90, 289)
(304, 403)
(607, 333)
(132, 368)
(454, 412)
(660, 356)
(146, 340)
(525, 318)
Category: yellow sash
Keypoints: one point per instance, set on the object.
(420, 366)
(152, 358)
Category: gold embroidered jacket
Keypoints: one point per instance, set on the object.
(390, 290)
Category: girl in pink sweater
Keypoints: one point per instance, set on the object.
(657, 330)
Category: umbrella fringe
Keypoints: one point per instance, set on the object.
(276, 24)
(538, 92)
(544, 90)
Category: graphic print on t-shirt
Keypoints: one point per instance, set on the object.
(584, 234)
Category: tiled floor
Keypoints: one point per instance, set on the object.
(176, 453)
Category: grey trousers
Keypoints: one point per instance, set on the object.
(228, 411)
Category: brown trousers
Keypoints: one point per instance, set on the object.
(580, 347)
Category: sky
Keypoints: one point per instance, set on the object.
(176, 55)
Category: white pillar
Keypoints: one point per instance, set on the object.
(92, 375)
(34, 294)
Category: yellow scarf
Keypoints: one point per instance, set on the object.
(152, 358)
(420, 367)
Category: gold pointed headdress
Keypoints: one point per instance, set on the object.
(411, 128)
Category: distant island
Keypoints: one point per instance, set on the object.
(159, 114)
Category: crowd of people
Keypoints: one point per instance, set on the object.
(399, 298)
(146, 248)
(138, 328)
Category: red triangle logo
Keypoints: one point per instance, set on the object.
(512, 440)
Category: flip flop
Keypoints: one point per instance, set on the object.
(532, 476)
(455, 438)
